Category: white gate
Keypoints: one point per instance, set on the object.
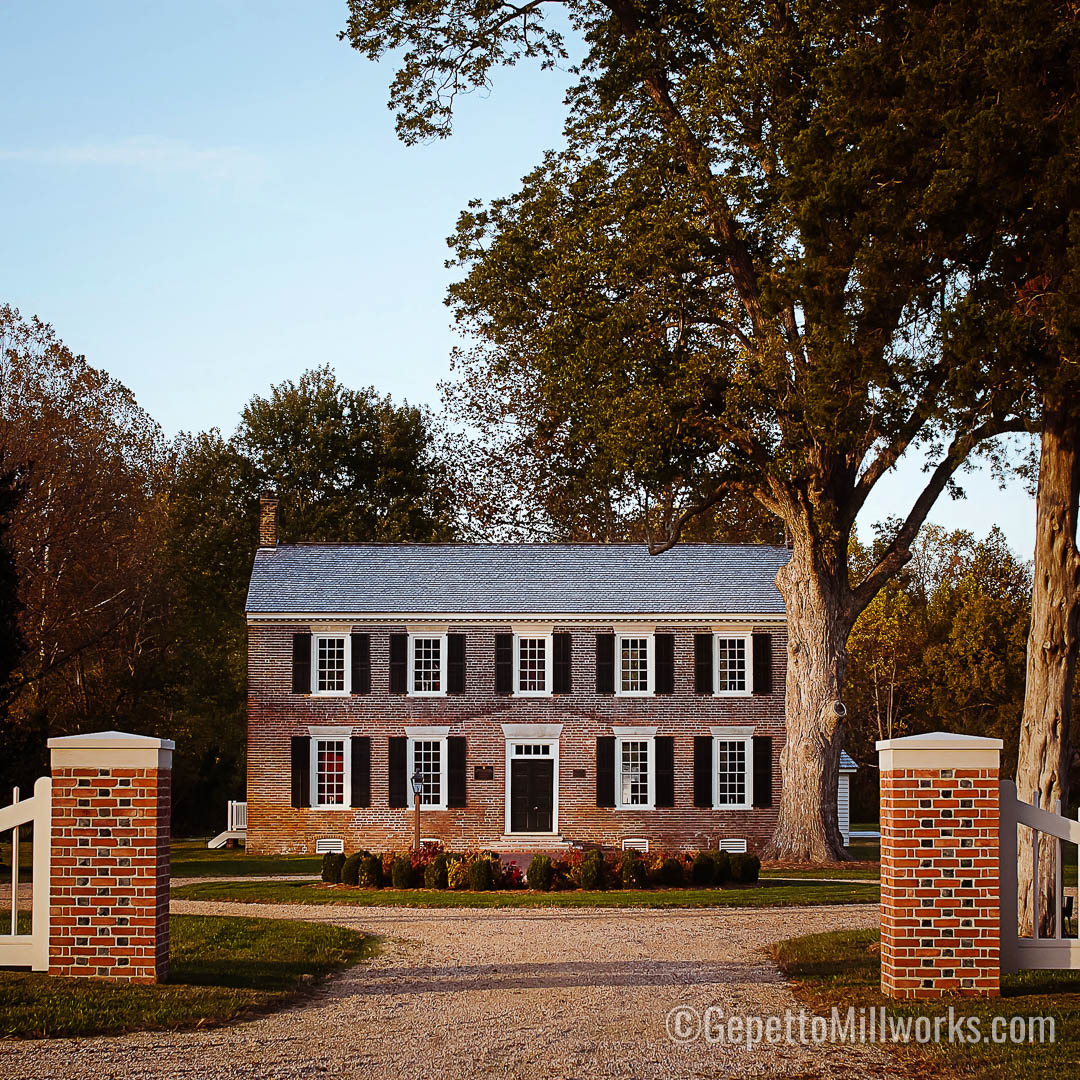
(29, 950)
(1057, 952)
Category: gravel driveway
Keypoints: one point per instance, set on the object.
(464, 993)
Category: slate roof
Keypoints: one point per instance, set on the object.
(585, 579)
(847, 761)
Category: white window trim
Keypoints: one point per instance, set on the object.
(321, 735)
(650, 660)
(322, 635)
(729, 635)
(532, 733)
(443, 660)
(645, 735)
(437, 734)
(744, 735)
(548, 639)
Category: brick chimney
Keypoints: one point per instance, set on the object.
(268, 519)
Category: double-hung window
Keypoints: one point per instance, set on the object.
(635, 771)
(428, 756)
(427, 665)
(330, 772)
(532, 665)
(330, 663)
(731, 663)
(733, 774)
(634, 675)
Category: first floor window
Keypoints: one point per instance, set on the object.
(635, 773)
(330, 769)
(428, 655)
(634, 658)
(532, 665)
(732, 773)
(330, 665)
(732, 673)
(429, 759)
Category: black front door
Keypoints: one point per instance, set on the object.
(532, 795)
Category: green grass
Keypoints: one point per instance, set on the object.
(767, 894)
(863, 871)
(192, 858)
(220, 969)
(842, 969)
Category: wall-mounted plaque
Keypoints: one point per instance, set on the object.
(484, 772)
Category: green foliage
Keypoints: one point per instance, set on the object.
(592, 874)
(744, 869)
(541, 873)
(333, 865)
(369, 873)
(702, 870)
(632, 870)
(481, 877)
(350, 869)
(671, 874)
(721, 861)
(435, 873)
(401, 872)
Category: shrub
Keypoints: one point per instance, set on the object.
(331, 867)
(350, 869)
(480, 876)
(370, 872)
(745, 868)
(721, 861)
(401, 872)
(435, 873)
(511, 877)
(591, 873)
(541, 873)
(632, 871)
(702, 870)
(671, 873)
(457, 872)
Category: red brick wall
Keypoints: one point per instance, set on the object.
(110, 873)
(940, 904)
(275, 714)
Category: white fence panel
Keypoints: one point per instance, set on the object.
(30, 950)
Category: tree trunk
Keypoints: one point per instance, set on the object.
(1042, 768)
(818, 629)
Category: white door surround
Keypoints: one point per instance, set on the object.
(539, 736)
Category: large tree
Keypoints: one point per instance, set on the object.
(741, 274)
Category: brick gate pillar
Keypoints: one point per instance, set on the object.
(111, 802)
(940, 887)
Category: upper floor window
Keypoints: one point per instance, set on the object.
(634, 664)
(732, 663)
(330, 664)
(532, 665)
(427, 664)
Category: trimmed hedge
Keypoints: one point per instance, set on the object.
(541, 873)
(332, 864)
(481, 878)
(350, 871)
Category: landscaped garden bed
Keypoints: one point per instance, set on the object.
(842, 970)
(219, 969)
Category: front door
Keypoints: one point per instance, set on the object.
(532, 795)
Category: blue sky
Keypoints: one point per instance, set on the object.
(207, 198)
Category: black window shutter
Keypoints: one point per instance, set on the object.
(399, 663)
(560, 672)
(605, 770)
(399, 771)
(301, 663)
(703, 663)
(605, 665)
(763, 770)
(703, 770)
(361, 663)
(455, 664)
(361, 771)
(762, 647)
(455, 772)
(504, 663)
(665, 771)
(664, 651)
(301, 771)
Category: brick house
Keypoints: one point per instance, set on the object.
(548, 694)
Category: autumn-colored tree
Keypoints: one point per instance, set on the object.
(740, 274)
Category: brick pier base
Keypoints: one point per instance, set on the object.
(940, 876)
(109, 909)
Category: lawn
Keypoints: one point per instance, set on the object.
(841, 969)
(869, 871)
(192, 858)
(766, 894)
(220, 969)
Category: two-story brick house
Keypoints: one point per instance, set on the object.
(548, 694)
